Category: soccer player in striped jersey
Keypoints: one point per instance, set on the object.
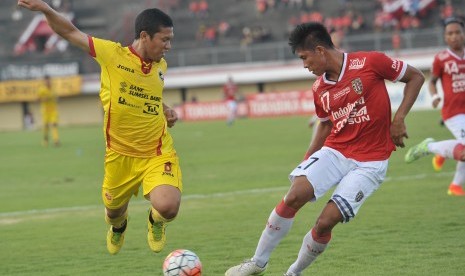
(139, 148)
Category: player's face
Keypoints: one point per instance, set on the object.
(159, 44)
(454, 36)
(313, 60)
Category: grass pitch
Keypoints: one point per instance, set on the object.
(52, 218)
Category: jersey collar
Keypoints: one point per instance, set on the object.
(455, 55)
(343, 69)
(146, 65)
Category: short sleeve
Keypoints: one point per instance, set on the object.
(386, 67)
(103, 50)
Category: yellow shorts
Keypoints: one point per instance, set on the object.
(50, 117)
(125, 174)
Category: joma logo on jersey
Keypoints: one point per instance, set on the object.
(151, 109)
(451, 67)
(357, 63)
(130, 70)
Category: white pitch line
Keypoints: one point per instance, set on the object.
(199, 196)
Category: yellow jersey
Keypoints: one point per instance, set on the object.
(131, 92)
(48, 100)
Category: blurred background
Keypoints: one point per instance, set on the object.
(214, 40)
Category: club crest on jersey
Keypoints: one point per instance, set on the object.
(161, 76)
(108, 196)
(357, 86)
(359, 196)
(146, 66)
(168, 169)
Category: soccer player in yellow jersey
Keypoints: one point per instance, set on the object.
(139, 149)
(49, 110)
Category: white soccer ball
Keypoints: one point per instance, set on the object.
(182, 262)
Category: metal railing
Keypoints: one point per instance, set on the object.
(381, 41)
(275, 51)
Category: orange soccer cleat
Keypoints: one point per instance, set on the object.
(455, 190)
(438, 162)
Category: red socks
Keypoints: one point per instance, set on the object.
(285, 211)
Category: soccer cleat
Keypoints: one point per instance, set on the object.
(455, 190)
(291, 274)
(419, 150)
(115, 241)
(246, 268)
(156, 235)
(438, 162)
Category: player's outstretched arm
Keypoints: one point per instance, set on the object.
(60, 24)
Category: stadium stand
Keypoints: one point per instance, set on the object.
(232, 31)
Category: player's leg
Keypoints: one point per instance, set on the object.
(438, 162)
(278, 225)
(418, 150)
(45, 131)
(117, 218)
(118, 170)
(456, 187)
(450, 149)
(232, 109)
(350, 194)
(317, 239)
(162, 186)
(322, 168)
(53, 120)
(456, 126)
(165, 200)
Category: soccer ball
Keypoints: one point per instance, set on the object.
(182, 262)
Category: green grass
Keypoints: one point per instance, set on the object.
(52, 218)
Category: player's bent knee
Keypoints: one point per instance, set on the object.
(168, 211)
(300, 193)
(329, 218)
(324, 225)
(115, 213)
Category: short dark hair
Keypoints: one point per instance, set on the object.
(451, 20)
(310, 35)
(151, 20)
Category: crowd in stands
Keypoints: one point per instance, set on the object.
(199, 8)
(347, 17)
